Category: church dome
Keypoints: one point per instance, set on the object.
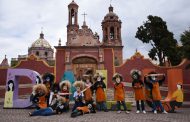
(73, 4)
(111, 15)
(41, 42)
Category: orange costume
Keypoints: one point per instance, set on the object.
(156, 91)
(138, 87)
(119, 94)
(88, 95)
(42, 102)
(84, 109)
(100, 95)
(139, 90)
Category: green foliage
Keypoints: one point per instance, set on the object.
(164, 46)
(185, 40)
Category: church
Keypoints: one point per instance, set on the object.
(84, 52)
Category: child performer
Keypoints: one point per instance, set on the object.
(65, 91)
(177, 98)
(48, 80)
(38, 96)
(138, 87)
(119, 92)
(89, 89)
(152, 78)
(99, 87)
(78, 94)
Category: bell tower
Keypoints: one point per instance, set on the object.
(111, 26)
(72, 27)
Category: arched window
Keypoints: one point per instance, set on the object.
(46, 54)
(106, 32)
(37, 53)
(112, 33)
(72, 16)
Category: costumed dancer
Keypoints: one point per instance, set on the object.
(177, 98)
(119, 92)
(57, 105)
(38, 97)
(78, 94)
(89, 89)
(99, 87)
(65, 91)
(48, 80)
(156, 95)
(138, 87)
(86, 109)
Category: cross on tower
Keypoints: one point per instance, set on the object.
(110, 2)
(84, 16)
(42, 29)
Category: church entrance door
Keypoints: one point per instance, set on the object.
(84, 66)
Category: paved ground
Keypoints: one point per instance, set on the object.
(21, 115)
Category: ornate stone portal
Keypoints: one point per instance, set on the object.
(84, 65)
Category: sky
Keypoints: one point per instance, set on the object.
(21, 21)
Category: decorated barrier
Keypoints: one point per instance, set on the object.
(69, 75)
(12, 87)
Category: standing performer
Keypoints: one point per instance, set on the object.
(99, 87)
(156, 95)
(138, 87)
(48, 80)
(119, 92)
(89, 89)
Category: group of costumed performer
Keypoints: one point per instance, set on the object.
(119, 92)
(138, 87)
(57, 103)
(56, 107)
(153, 82)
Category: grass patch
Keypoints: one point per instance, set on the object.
(111, 105)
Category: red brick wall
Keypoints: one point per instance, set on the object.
(109, 65)
(3, 76)
(60, 64)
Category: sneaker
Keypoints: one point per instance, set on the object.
(164, 112)
(127, 112)
(144, 112)
(155, 112)
(118, 112)
(138, 112)
(30, 114)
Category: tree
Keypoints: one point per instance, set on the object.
(185, 49)
(155, 32)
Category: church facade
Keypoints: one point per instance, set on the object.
(84, 52)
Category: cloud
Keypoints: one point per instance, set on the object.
(21, 21)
